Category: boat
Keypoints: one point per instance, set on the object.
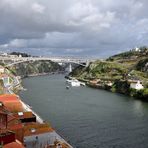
(25, 89)
(82, 83)
(67, 87)
(74, 82)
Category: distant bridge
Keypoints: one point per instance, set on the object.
(79, 61)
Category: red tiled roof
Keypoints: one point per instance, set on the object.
(11, 102)
(8, 97)
(14, 145)
(16, 126)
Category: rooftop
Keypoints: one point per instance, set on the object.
(35, 128)
(15, 144)
(11, 102)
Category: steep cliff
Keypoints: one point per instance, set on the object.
(35, 68)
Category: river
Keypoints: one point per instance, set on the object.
(86, 117)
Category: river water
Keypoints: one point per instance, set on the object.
(86, 117)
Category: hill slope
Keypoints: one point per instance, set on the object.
(117, 71)
(35, 68)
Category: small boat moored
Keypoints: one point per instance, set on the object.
(67, 87)
(74, 82)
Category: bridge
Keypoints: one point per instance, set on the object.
(17, 60)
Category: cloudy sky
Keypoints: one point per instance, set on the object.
(96, 28)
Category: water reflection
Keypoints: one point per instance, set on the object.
(138, 107)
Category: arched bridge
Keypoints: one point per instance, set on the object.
(80, 61)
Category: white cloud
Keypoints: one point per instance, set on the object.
(16, 43)
(38, 8)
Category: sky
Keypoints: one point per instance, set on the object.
(92, 28)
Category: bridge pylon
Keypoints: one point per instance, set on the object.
(87, 63)
(70, 68)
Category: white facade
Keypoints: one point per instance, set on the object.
(4, 54)
(20, 56)
(2, 69)
(137, 49)
(109, 83)
(6, 81)
(136, 85)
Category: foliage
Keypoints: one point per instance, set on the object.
(121, 86)
(140, 94)
(142, 65)
(35, 67)
(101, 69)
(120, 68)
(20, 53)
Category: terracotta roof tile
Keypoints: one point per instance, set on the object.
(11, 102)
(14, 145)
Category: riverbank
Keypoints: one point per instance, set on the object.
(122, 87)
(35, 122)
(125, 73)
(116, 86)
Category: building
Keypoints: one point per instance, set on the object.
(6, 137)
(12, 103)
(15, 144)
(95, 81)
(136, 85)
(10, 131)
(4, 54)
(20, 56)
(109, 83)
(8, 140)
(137, 49)
(7, 80)
(25, 117)
(2, 69)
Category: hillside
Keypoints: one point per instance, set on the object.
(35, 68)
(141, 53)
(29, 68)
(102, 70)
(118, 71)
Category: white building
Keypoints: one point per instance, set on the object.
(4, 54)
(20, 56)
(137, 49)
(136, 85)
(109, 84)
(2, 69)
(7, 81)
